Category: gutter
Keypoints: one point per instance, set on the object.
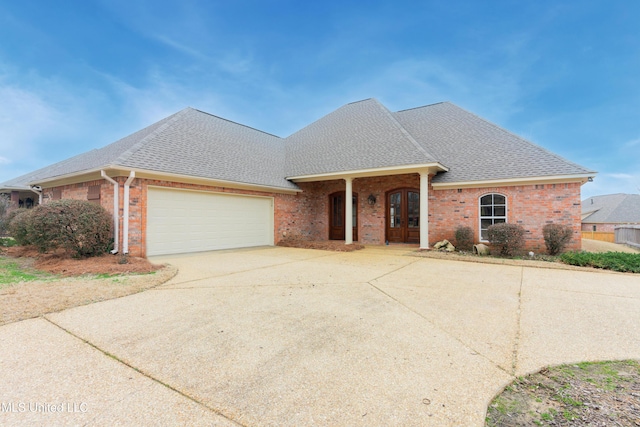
(125, 227)
(116, 207)
(38, 190)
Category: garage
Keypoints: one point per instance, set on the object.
(181, 221)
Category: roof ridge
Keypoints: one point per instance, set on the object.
(424, 106)
(557, 156)
(404, 131)
(236, 123)
(362, 100)
(138, 145)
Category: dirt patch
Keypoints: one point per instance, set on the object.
(325, 245)
(94, 279)
(583, 394)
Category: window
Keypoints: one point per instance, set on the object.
(493, 210)
(93, 194)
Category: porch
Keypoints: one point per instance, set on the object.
(388, 209)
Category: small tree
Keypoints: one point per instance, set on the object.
(556, 237)
(508, 238)
(464, 238)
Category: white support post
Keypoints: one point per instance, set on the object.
(424, 210)
(348, 212)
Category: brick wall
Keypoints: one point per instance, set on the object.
(531, 206)
(588, 226)
(306, 214)
(370, 218)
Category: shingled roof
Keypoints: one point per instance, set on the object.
(476, 150)
(189, 143)
(612, 209)
(358, 136)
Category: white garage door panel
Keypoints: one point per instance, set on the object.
(181, 221)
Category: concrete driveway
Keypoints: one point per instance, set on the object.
(279, 336)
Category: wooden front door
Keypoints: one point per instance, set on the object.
(403, 216)
(336, 216)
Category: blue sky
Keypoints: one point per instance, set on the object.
(77, 75)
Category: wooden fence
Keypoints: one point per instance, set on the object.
(605, 236)
(628, 235)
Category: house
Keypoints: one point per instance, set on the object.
(604, 213)
(196, 182)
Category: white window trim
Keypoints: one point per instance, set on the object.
(481, 217)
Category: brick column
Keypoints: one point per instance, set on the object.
(15, 199)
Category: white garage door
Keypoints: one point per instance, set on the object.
(181, 221)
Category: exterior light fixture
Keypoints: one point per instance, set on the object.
(371, 199)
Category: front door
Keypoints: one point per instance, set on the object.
(403, 216)
(336, 216)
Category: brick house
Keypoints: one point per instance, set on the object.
(195, 182)
(604, 213)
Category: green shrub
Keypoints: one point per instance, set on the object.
(508, 238)
(18, 220)
(7, 242)
(556, 237)
(616, 261)
(464, 238)
(81, 227)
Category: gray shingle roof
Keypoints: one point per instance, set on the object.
(357, 136)
(476, 150)
(86, 161)
(198, 144)
(360, 135)
(612, 208)
(191, 143)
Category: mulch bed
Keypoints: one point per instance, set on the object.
(325, 245)
(62, 263)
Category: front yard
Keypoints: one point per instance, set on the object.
(28, 290)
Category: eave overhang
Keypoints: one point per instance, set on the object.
(15, 188)
(551, 179)
(431, 168)
(117, 170)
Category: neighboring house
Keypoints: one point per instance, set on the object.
(604, 213)
(196, 182)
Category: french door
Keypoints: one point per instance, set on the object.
(403, 216)
(337, 216)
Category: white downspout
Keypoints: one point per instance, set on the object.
(38, 191)
(125, 227)
(116, 208)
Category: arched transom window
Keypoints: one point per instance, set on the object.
(493, 210)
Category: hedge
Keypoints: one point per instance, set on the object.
(81, 227)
